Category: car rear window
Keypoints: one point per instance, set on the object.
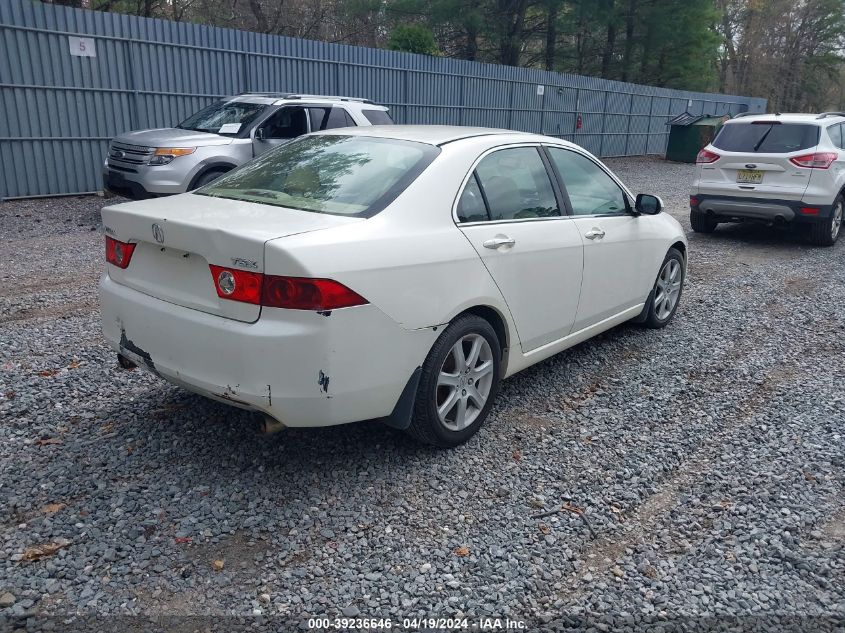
(340, 175)
(377, 117)
(764, 137)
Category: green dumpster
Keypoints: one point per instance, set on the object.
(688, 133)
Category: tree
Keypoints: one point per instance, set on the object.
(413, 38)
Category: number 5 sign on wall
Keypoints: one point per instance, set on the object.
(82, 46)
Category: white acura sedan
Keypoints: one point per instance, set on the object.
(395, 273)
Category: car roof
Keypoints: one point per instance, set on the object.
(439, 134)
(790, 117)
(279, 98)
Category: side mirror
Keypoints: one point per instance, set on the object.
(259, 134)
(648, 204)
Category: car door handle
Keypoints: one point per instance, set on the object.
(594, 233)
(499, 240)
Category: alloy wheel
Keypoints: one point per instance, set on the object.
(668, 289)
(464, 382)
(836, 221)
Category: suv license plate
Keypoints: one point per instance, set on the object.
(753, 176)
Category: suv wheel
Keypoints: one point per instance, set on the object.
(460, 379)
(826, 233)
(701, 222)
(208, 177)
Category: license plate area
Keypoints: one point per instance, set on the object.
(749, 176)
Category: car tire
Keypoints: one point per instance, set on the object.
(207, 178)
(662, 305)
(702, 223)
(827, 232)
(450, 375)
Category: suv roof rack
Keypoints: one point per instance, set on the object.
(296, 95)
(824, 115)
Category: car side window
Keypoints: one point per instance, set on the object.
(288, 122)
(329, 118)
(591, 191)
(516, 185)
(471, 207)
(835, 133)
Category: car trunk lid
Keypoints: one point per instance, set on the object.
(755, 160)
(178, 238)
(755, 175)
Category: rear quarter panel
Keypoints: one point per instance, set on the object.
(410, 260)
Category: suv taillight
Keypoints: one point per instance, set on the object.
(820, 160)
(118, 253)
(706, 156)
(275, 291)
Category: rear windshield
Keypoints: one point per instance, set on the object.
(762, 137)
(224, 117)
(377, 117)
(341, 175)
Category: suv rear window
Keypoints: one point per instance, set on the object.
(377, 117)
(765, 137)
(340, 175)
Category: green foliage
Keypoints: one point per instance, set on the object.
(413, 38)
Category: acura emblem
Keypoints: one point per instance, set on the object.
(158, 234)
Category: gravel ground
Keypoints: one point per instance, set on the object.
(708, 458)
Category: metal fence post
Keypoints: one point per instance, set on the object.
(630, 117)
(603, 118)
(463, 103)
(510, 105)
(129, 69)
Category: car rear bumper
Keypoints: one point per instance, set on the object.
(299, 367)
(727, 209)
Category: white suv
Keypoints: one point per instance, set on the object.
(774, 168)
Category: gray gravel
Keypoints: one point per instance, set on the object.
(709, 458)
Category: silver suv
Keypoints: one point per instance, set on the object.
(150, 163)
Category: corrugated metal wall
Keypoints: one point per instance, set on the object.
(59, 111)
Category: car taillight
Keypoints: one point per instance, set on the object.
(693, 201)
(809, 210)
(118, 253)
(819, 160)
(237, 285)
(706, 156)
(299, 293)
(274, 291)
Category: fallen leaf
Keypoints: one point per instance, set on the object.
(52, 508)
(545, 529)
(615, 509)
(11, 395)
(809, 477)
(48, 441)
(463, 550)
(46, 373)
(517, 455)
(37, 552)
(74, 365)
(217, 565)
(129, 449)
(181, 540)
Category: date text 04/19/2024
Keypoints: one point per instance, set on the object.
(417, 624)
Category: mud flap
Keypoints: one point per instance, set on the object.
(400, 418)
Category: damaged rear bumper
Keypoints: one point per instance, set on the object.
(299, 367)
